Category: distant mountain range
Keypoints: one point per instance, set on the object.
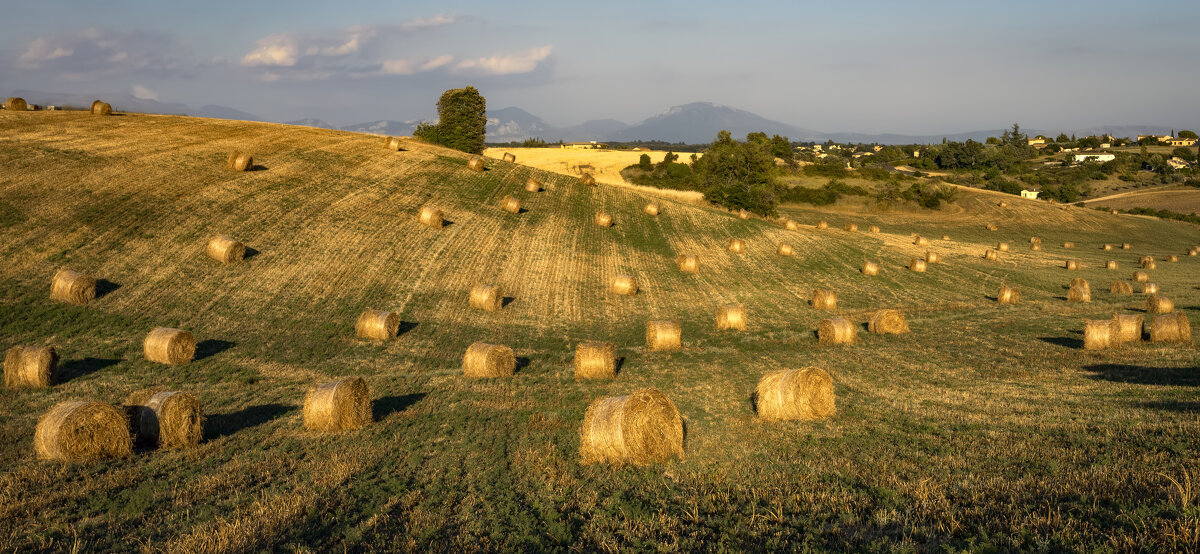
(125, 102)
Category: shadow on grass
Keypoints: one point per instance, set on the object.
(522, 363)
(250, 253)
(257, 167)
(1171, 405)
(1066, 342)
(220, 425)
(389, 405)
(405, 326)
(1146, 375)
(504, 302)
(104, 287)
(78, 368)
(212, 347)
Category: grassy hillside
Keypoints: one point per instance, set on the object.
(987, 425)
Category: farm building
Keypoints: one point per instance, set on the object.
(1030, 194)
(590, 145)
(1094, 157)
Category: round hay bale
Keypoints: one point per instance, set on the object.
(77, 431)
(1033, 240)
(1003, 204)
(992, 227)
(1126, 246)
(736, 246)
(795, 394)
(1195, 251)
(650, 209)
(1149, 264)
(377, 324)
(1171, 258)
(791, 225)
(169, 346)
(688, 263)
(603, 219)
(1140, 277)
(743, 214)
(917, 264)
(101, 108)
(889, 322)
(1080, 282)
(533, 185)
(1071, 265)
(1099, 334)
(785, 249)
(392, 143)
(488, 298)
(432, 217)
(1156, 304)
(510, 157)
(624, 285)
(30, 366)
(475, 164)
(853, 228)
(510, 204)
(1171, 328)
(836, 330)
(663, 336)
(731, 316)
(1008, 295)
(489, 360)
(1128, 327)
(1035, 246)
(1068, 244)
(73, 287)
(239, 161)
(1108, 247)
(873, 229)
(1003, 247)
(16, 104)
(1112, 265)
(823, 299)
(639, 429)
(1149, 288)
(167, 419)
(1113, 212)
(921, 241)
(991, 255)
(595, 360)
(1145, 261)
(945, 237)
(1079, 294)
(932, 257)
(822, 224)
(1120, 287)
(870, 268)
(225, 249)
(587, 179)
(338, 405)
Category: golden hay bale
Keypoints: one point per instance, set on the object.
(731, 316)
(917, 264)
(489, 360)
(870, 268)
(743, 214)
(475, 164)
(873, 229)
(1068, 244)
(166, 419)
(650, 209)
(1126, 246)
(623, 284)
(736, 246)
(1003, 204)
(836, 330)
(1035, 246)
(239, 161)
(663, 335)
(639, 429)
(486, 297)
(1171, 328)
(1033, 240)
(688, 263)
(510, 158)
(338, 405)
(1149, 264)
(823, 299)
(595, 360)
(822, 224)
(852, 227)
(169, 346)
(791, 225)
(889, 322)
(1146, 262)
(377, 324)
(1120, 287)
(992, 227)
(932, 257)
(1071, 265)
(785, 249)
(1108, 247)
(510, 204)
(945, 237)
(1194, 251)
(1080, 282)
(1141, 276)
(533, 185)
(1079, 294)
(1171, 258)
(1113, 212)
(795, 394)
(225, 249)
(77, 431)
(603, 219)
(101, 108)
(72, 286)
(432, 217)
(1003, 247)
(15, 104)
(1008, 295)
(587, 179)
(991, 255)
(1156, 304)
(1149, 288)
(30, 366)
(921, 241)
(1099, 334)
(392, 143)
(1112, 265)
(1128, 327)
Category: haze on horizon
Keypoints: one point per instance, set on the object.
(924, 68)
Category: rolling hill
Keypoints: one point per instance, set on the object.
(985, 427)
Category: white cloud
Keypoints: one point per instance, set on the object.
(274, 50)
(95, 52)
(142, 92)
(506, 64)
(437, 62)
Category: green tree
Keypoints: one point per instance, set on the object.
(737, 175)
(644, 163)
(1062, 137)
(1187, 134)
(781, 147)
(462, 121)
(1185, 153)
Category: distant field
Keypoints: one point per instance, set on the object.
(1184, 200)
(604, 165)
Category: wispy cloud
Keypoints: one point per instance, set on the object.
(95, 52)
(140, 91)
(506, 64)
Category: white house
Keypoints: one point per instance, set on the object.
(1095, 157)
(1030, 194)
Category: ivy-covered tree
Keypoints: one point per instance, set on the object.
(462, 121)
(738, 175)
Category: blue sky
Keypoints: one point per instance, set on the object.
(870, 66)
